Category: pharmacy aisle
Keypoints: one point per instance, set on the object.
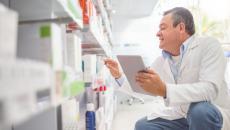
(130, 109)
(53, 74)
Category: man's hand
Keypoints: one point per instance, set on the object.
(112, 65)
(151, 82)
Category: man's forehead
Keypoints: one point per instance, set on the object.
(167, 19)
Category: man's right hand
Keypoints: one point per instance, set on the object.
(112, 65)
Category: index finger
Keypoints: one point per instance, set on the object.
(110, 61)
(151, 71)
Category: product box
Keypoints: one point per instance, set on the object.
(74, 52)
(89, 67)
(22, 82)
(70, 114)
(41, 42)
(8, 32)
(72, 85)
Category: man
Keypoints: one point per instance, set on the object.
(189, 76)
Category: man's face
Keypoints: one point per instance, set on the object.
(168, 35)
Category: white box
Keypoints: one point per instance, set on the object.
(74, 52)
(8, 32)
(89, 67)
(25, 76)
(41, 42)
(20, 81)
(70, 114)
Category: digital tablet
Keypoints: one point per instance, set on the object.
(131, 65)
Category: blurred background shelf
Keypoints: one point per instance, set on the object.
(26, 89)
(46, 79)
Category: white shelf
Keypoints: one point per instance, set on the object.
(105, 18)
(72, 7)
(108, 4)
(22, 81)
(96, 36)
(94, 42)
(45, 10)
(31, 10)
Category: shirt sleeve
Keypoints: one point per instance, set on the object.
(120, 81)
(187, 93)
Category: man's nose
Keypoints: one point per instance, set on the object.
(158, 34)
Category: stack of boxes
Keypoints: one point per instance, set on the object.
(46, 62)
(8, 33)
(22, 81)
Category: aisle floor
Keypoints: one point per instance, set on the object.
(127, 115)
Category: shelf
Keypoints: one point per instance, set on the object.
(52, 75)
(48, 11)
(108, 4)
(93, 41)
(97, 51)
(72, 7)
(105, 18)
(91, 48)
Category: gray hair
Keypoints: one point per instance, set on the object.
(180, 14)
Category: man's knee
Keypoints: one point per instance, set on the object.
(197, 111)
(201, 112)
(143, 124)
(140, 124)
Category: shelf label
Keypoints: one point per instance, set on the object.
(76, 87)
(45, 31)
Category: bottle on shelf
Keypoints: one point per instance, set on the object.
(90, 117)
(101, 97)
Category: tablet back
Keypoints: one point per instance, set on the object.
(131, 64)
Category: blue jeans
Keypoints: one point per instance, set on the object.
(201, 116)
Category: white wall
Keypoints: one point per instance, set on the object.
(137, 36)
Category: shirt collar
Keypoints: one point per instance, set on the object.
(183, 48)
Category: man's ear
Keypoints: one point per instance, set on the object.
(182, 27)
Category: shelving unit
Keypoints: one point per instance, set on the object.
(103, 7)
(24, 85)
(91, 38)
(45, 76)
(95, 36)
(72, 7)
(47, 10)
